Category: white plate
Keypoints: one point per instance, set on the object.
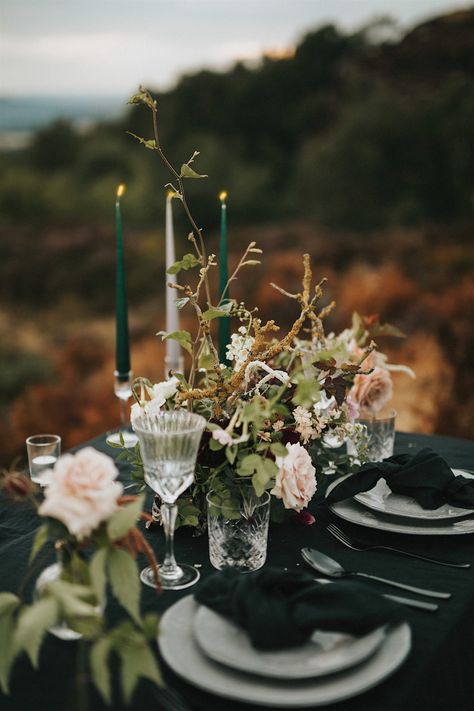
(350, 510)
(381, 498)
(325, 653)
(182, 653)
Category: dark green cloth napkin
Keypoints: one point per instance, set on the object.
(281, 609)
(425, 476)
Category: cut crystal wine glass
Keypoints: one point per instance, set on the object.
(169, 442)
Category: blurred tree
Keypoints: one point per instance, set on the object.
(55, 146)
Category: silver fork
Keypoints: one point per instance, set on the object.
(358, 546)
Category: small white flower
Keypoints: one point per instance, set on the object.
(278, 425)
(304, 423)
(222, 437)
(239, 347)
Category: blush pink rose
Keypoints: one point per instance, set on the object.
(295, 482)
(372, 392)
(82, 491)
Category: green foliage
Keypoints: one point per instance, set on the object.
(124, 519)
(218, 311)
(32, 625)
(125, 582)
(183, 338)
(187, 262)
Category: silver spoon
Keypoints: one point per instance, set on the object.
(330, 567)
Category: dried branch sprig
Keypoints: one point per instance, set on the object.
(244, 261)
(228, 391)
(144, 97)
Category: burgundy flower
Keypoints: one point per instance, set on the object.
(304, 518)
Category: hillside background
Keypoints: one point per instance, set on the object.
(358, 148)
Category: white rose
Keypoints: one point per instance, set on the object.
(82, 491)
(136, 411)
(166, 389)
(295, 482)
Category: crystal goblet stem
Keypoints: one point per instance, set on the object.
(169, 567)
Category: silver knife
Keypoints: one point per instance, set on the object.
(417, 604)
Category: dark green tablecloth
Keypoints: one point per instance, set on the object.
(438, 674)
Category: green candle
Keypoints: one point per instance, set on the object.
(224, 322)
(122, 346)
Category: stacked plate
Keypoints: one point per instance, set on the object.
(214, 654)
(382, 509)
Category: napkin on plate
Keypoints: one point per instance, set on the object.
(425, 476)
(281, 609)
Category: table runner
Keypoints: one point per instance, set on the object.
(437, 674)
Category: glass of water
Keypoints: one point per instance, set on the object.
(169, 443)
(43, 451)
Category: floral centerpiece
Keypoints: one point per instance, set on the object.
(278, 404)
(92, 527)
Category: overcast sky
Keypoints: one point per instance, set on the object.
(83, 47)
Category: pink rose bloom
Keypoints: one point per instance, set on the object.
(82, 491)
(372, 392)
(295, 482)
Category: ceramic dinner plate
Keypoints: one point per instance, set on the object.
(381, 498)
(326, 652)
(182, 653)
(352, 511)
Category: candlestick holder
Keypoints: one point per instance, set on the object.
(123, 390)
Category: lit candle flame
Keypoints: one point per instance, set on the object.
(223, 196)
(120, 190)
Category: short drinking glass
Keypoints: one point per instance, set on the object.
(43, 451)
(169, 443)
(380, 435)
(238, 529)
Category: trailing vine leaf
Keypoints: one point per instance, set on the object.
(217, 311)
(33, 623)
(100, 652)
(41, 537)
(180, 303)
(183, 338)
(124, 581)
(278, 449)
(97, 573)
(148, 143)
(187, 262)
(137, 662)
(142, 97)
(8, 605)
(306, 393)
(124, 519)
(187, 172)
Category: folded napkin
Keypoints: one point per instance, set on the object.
(425, 476)
(282, 609)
